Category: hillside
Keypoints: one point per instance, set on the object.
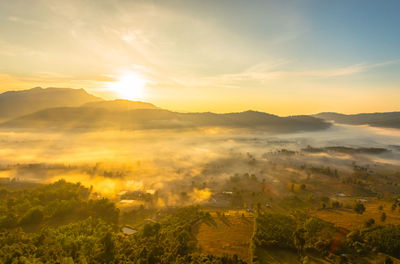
(89, 118)
(120, 105)
(18, 103)
(389, 119)
(226, 234)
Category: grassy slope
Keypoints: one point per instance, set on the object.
(226, 235)
(348, 219)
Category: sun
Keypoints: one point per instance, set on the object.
(129, 85)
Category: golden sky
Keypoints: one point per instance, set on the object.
(281, 57)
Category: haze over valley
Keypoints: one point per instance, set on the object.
(199, 132)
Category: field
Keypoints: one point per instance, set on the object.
(278, 256)
(347, 218)
(229, 233)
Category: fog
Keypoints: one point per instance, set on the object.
(170, 162)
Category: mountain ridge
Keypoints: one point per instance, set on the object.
(88, 118)
(377, 119)
(23, 102)
(67, 108)
(120, 104)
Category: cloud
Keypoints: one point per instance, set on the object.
(264, 72)
(18, 19)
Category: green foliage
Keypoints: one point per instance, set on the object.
(388, 260)
(274, 230)
(319, 233)
(79, 241)
(106, 252)
(359, 208)
(33, 217)
(306, 234)
(72, 228)
(209, 259)
(57, 203)
(385, 239)
(299, 239)
(97, 241)
(370, 222)
(103, 209)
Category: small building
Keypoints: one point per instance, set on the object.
(128, 231)
(126, 201)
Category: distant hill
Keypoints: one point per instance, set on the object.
(120, 105)
(18, 103)
(389, 119)
(92, 118)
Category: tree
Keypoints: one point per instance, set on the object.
(258, 208)
(388, 260)
(274, 230)
(369, 222)
(359, 208)
(10, 220)
(299, 240)
(107, 251)
(383, 217)
(32, 217)
(385, 239)
(335, 204)
(104, 209)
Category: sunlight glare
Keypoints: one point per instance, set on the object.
(130, 86)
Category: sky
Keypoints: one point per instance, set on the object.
(283, 57)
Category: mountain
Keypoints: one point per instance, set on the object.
(388, 119)
(18, 103)
(93, 118)
(120, 105)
